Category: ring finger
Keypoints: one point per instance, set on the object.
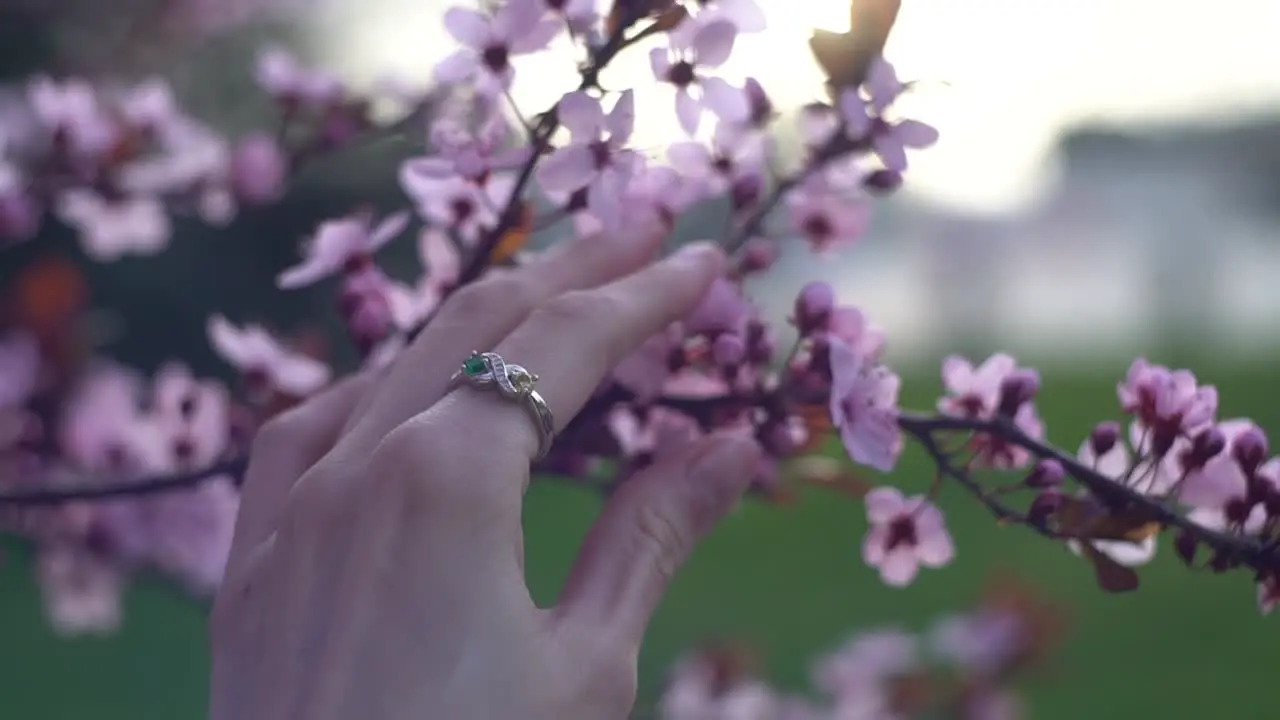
(572, 343)
(481, 315)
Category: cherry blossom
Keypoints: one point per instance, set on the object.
(699, 44)
(735, 159)
(264, 360)
(864, 407)
(70, 112)
(412, 304)
(280, 74)
(346, 243)
(489, 42)
(468, 208)
(904, 534)
(826, 217)
(111, 229)
(596, 157)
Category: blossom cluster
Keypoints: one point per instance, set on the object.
(963, 667)
(108, 471)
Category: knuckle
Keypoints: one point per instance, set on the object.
(664, 538)
(409, 468)
(317, 501)
(492, 294)
(614, 679)
(578, 308)
(283, 431)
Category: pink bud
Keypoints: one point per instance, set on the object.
(1185, 545)
(1019, 388)
(1047, 473)
(1204, 447)
(1044, 506)
(883, 182)
(1104, 437)
(259, 169)
(728, 350)
(1250, 449)
(814, 306)
(19, 216)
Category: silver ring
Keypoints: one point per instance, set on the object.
(488, 370)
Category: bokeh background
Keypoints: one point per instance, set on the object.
(1108, 184)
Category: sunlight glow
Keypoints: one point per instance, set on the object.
(1001, 79)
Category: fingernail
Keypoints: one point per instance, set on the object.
(698, 254)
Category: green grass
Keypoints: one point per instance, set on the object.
(787, 579)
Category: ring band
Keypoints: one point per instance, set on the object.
(514, 382)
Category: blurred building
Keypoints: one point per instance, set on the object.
(1150, 236)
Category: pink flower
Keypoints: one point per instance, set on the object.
(596, 157)
(1219, 492)
(102, 428)
(467, 207)
(695, 692)
(1268, 593)
(746, 15)
(411, 305)
(345, 243)
(191, 160)
(111, 229)
(579, 15)
(264, 360)
(856, 675)
(905, 533)
(279, 73)
(259, 169)
(660, 431)
(19, 369)
(82, 591)
(864, 406)
(191, 532)
(1116, 463)
(192, 417)
(1168, 402)
(488, 43)
(890, 140)
(645, 371)
(71, 113)
(982, 642)
(697, 45)
(825, 216)
(974, 392)
(734, 158)
(471, 153)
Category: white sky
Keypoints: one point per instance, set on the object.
(1005, 76)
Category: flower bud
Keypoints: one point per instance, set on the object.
(1250, 449)
(19, 216)
(1017, 389)
(814, 306)
(1046, 474)
(259, 169)
(728, 350)
(883, 182)
(759, 255)
(1104, 437)
(1204, 447)
(1044, 506)
(1185, 544)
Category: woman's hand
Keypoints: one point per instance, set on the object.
(377, 571)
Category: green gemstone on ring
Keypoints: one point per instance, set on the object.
(474, 366)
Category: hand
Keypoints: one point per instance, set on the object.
(377, 570)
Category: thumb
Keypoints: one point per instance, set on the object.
(647, 530)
